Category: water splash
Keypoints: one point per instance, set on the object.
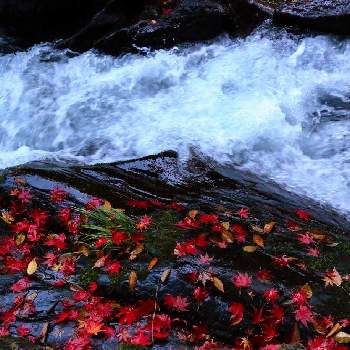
(276, 104)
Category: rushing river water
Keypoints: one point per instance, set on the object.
(276, 104)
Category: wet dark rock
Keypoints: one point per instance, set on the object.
(34, 21)
(115, 30)
(330, 16)
(197, 184)
(9, 343)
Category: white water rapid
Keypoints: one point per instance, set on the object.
(276, 104)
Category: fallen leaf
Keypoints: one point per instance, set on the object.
(257, 229)
(152, 263)
(139, 249)
(165, 275)
(218, 284)
(132, 280)
(335, 329)
(225, 225)
(107, 205)
(20, 238)
(192, 213)
(342, 338)
(268, 228)
(32, 267)
(257, 239)
(307, 290)
(227, 236)
(250, 248)
(332, 278)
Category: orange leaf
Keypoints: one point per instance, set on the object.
(152, 263)
(132, 280)
(250, 248)
(258, 240)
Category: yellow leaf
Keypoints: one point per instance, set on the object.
(250, 248)
(227, 236)
(307, 290)
(268, 228)
(193, 213)
(165, 275)
(107, 205)
(342, 338)
(132, 280)
(20, 238)
(225, 225)
(139, 249)
(218, 284)
(8, 218)
(257, 229)
(152, 263)
(32, 267)
(335, 329)
(258, 240)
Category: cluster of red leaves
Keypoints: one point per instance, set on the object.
(262, 313)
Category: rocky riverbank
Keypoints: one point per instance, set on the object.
(117, 27)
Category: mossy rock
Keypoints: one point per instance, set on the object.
(10, 343)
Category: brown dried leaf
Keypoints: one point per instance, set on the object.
(101, 261)
(193, 213)
(132, 280)
(152, 263)
(218, 284)
(333, 278)
(257, 229)
(165, 275)
(84, 250)
(268, 228)
(32, 267)
(227, 236)
(250, 248)
(139, 249)
(335, 329)
(257, 239)
(342, 338)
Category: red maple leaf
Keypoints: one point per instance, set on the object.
(186, 248)
(240, 232)
(177, 303)
(21, 285)
(242, 280)
(144, 222)
(303, 215)
(244, 213)
(304, 315)
(101, 242)
(113, 267)
(237, 311)
(23, 331)
(306, 238)
(57, 241)
(271, 295)
(58, 195)
(208, 219)
(118, 237)
(200, 294)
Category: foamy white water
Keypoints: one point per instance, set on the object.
(274, 104)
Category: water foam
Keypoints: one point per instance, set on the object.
(275, 104)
